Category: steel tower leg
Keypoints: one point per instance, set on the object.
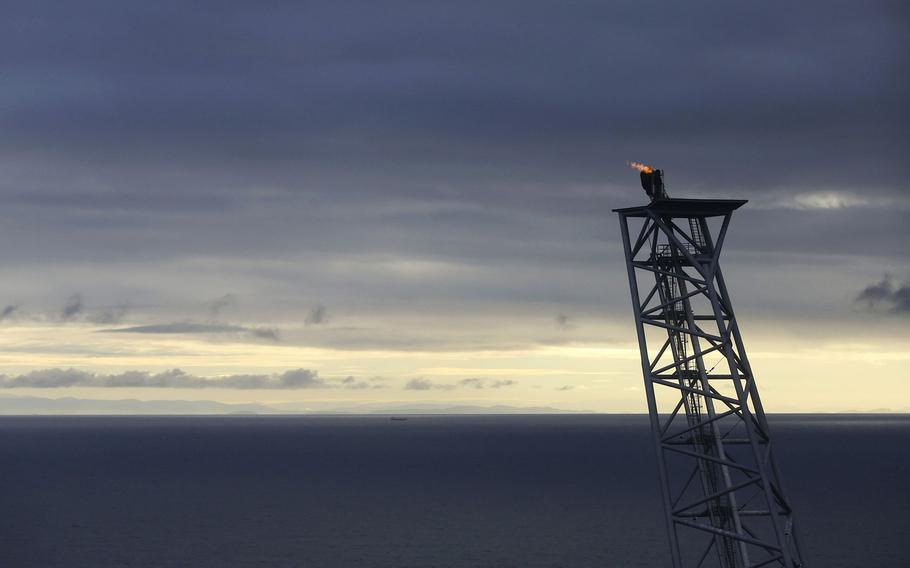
(724, 503)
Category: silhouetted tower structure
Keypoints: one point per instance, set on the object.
(724, 503)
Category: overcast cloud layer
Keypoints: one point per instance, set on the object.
(437, 175)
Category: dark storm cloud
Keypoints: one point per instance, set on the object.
(519, 91)
(190, 328)
(523, 84)
(284, 137)
(886, 295)
(289, 380)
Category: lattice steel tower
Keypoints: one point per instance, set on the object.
(724, 503)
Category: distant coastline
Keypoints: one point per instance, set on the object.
(71, 406)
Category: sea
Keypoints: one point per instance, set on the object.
(525, 491)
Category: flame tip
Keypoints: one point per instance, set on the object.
(644, 168)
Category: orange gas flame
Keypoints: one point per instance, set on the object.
(641, 167)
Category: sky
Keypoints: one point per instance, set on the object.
(342, 204)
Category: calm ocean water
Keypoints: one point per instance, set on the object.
(434, 491)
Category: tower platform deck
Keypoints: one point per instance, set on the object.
(684, 207)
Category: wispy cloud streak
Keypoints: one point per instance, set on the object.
(191, 328)
(475, 383)
(295, 379)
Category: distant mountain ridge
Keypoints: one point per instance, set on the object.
(17, 405)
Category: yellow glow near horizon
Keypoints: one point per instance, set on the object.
(575, 376)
